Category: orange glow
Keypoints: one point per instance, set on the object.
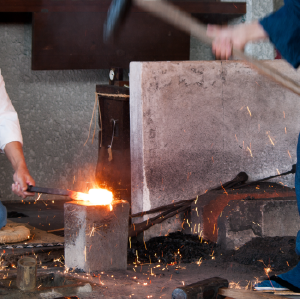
(97, 197)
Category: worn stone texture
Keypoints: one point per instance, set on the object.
(96, 236)
(55, 109)
(243, 220)
(196, 124)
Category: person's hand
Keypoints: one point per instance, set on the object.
(22, 178)
(226, 38)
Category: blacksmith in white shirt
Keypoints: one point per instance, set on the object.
(11, 143)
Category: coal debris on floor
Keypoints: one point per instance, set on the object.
(174, 248)
(15, 214)
(277, 253)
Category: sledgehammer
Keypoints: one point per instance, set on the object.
(214, 287)
(182, 20)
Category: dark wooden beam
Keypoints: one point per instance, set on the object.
(229, 8)
(74, 40)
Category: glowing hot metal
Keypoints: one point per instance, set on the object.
(97, 197)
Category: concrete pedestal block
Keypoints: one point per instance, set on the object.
(96, 236)
(242, 220)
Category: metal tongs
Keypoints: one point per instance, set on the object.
(61, 192)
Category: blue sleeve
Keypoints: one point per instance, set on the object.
(283, 28)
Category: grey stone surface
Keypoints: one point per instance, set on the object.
(278, 4)
(280, 218)
(242, 220)
(96, 236)
(196, 124)
(55, 109)
(199, 50)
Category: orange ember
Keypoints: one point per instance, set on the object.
(97, 197)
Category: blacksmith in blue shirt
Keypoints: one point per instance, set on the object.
(282, 28)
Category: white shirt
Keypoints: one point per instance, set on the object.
(10, 130)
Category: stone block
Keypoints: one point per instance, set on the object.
(194, 124)
(242, 220)
(96, 236)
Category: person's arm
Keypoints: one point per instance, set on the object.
(11, 142)
(281, 27)
(226, 38)
(22, 178)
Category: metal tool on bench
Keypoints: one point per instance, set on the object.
(213, 287)
(60, 192)
(182, 20)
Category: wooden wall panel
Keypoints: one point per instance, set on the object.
(212, 6)
(68, 34)
(75, 41)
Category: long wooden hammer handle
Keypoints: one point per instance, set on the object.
(171, 14)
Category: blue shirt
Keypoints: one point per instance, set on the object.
(283, 28)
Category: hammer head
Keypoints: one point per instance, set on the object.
(205, 289)
(115, 15)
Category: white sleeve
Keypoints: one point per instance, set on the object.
(10, 130)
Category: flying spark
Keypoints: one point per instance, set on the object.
(249, 111)
(223, 188)
(267, 270)
(250, 151)
(268, 134)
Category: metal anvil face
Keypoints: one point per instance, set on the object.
(96, 236)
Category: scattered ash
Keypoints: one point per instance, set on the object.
(278, 253)
(174, 248)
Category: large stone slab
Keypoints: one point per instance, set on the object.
(196, 124)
